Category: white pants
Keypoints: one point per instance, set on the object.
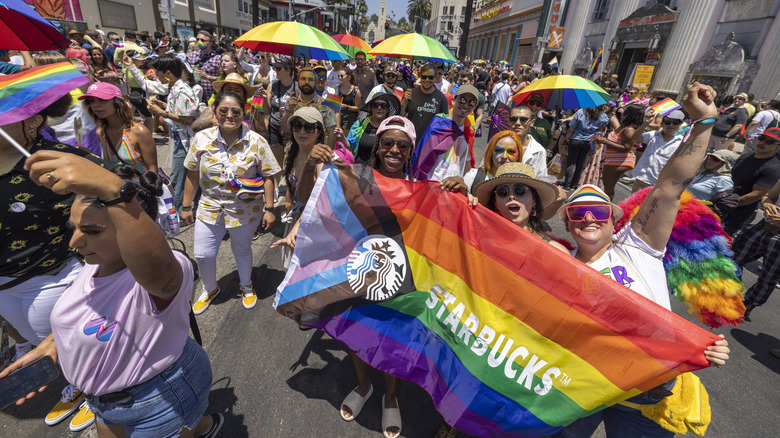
(27, 306)
(207, 240)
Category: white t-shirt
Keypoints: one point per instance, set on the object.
(333, 78)
(764, 118)
(501, 93)
(380, 89)
(442, 86)
(631, 262)
(658, 152)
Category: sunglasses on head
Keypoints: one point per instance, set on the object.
(503, 191)
(380, 105)
(600, 212)
(466, 102)
(235, 112)
(309, 128)
(672, 122)
(514, 119)
(427, 77)
(388, 143)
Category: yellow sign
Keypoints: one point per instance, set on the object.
(556, 37)
(643, 75)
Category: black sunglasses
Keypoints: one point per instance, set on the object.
(466, 102)
(235, 112)
(390, 75)
(380, 105)
(514, 119)
(203, 40)
(518, 189)
(426, 77)
(769, 140)
(296, 126)
(672, 122)
(535, 103)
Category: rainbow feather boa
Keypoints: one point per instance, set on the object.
(700, 271)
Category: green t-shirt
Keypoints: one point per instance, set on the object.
(541, 131)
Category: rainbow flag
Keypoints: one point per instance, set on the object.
(594, 144)
(666, 106)
(509, 336)
(333, 101)
(596, 61)
(26, 93)
(553, 62)
(514, 81)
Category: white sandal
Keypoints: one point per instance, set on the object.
(355, 403)
(391, 417)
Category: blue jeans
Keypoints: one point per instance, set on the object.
(162, 406)
(620, 421)
(178, 171)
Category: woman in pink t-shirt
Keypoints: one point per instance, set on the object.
(120, 330)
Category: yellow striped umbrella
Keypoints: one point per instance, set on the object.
(292, 39)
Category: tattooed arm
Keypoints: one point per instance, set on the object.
(655, 218)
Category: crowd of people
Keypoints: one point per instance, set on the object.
(248, 133)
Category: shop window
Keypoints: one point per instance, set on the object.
(117, 15)
(206, 6)
(600, 10)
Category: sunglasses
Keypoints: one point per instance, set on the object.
(323, 77)
(518, 189)
(672, 122)
(307, 127)
(343, 76)
(599, 212)
(769, 140)
(380, 105)
(514, 119)
(535, 103)
(388, 143)
(466, 102)
(203, 40)
(235, 112)
(716, 159)
(277, 68)
(427, 77)
(390, 75)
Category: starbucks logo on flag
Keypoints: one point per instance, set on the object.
(376, 267)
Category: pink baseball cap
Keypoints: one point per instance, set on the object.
(400, 123)
(102, 90)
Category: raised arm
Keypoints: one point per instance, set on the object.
(142, 246)
(655, 218)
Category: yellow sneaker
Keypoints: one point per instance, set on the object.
(204, 301)
(70, 401)
(248, 296)
(83, 419)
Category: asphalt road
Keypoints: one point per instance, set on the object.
(273, 380)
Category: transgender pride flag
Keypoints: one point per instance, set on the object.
(509, 336)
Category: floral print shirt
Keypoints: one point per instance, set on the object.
(33, 220)
(182, 101)
(248, 157)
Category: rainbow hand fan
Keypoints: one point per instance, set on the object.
(700, 271)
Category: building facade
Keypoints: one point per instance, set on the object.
(504, 30)
(376, 31)
(665, 44)
(447, 16)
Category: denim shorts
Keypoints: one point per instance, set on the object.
(162, 406)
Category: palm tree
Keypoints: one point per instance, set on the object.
(419, 11)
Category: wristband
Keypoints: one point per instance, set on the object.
(187, 208)
(269, 209)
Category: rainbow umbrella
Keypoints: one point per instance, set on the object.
(352, 44)
(413, 46)
(292, 39)
(21, 28)
(564, 92)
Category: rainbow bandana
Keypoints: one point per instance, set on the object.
(508, 335)
(24, 94)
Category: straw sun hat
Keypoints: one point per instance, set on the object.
(517, 173)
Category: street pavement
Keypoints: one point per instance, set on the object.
(273, 380)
